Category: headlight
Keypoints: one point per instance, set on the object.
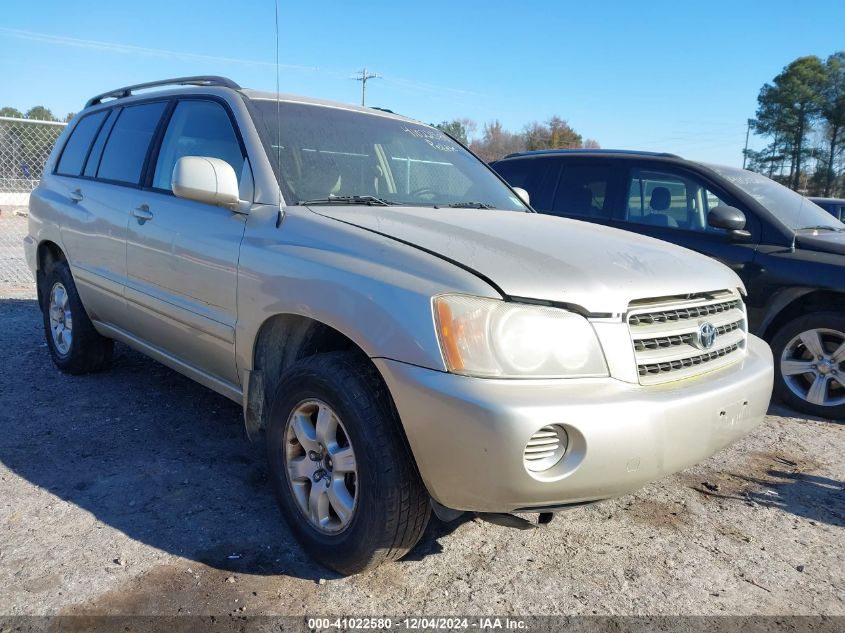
(488, 337)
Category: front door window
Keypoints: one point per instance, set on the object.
(669, 200)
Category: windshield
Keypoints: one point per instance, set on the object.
(792, 209)
(331, 155)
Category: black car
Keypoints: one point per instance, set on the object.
(834, 206)
(789, 252)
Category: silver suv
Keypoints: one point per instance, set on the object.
(400, 327)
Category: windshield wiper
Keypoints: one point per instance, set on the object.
(470, 205)
(372, 201)
(820, 227)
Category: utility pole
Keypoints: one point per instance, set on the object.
(745, 151)
(363, 76)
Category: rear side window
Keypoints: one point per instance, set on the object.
(76, 148)
(197, 128)
(127, 145)
(536, 175)
(585, 191)
(515, 172)
(97, 149)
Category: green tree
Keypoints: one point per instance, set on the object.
(460, 129)
(788, 107)
(833, 116)
(555, 133)
(562, 135)
(497, 142)
(11, 112)
(40, 113)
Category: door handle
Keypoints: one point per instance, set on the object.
(76, 195)
(142, 213)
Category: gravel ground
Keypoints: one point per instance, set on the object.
(135, 492)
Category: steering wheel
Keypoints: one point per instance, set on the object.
(424, 192)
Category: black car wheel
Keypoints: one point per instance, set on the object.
(810, 364)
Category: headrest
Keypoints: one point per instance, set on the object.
(660, 199)
(320, 175)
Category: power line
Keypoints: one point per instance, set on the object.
(363, 76)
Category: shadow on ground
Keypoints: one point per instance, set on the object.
(813, 497)
(776, 480)
(148, 452)
(783, 411)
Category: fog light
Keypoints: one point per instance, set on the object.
(545, 448)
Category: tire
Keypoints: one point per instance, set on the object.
(791, 347)
(75, 346)
(390, 505)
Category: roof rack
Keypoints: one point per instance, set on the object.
(199, 80)
(590, 150)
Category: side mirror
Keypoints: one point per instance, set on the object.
(730, 218)
(522, 194)
(206, 179)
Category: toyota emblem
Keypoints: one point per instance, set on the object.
(706, 335)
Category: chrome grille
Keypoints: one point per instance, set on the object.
(664, 333)
(641, 345)
(659, 368)
(681, 314)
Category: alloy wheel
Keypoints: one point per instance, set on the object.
(321, 466)
(61, 319)
(813, 366)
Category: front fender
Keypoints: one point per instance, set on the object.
(776, 304)
(372, 289)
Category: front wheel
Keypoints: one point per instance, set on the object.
(341, 471)
(810, 364)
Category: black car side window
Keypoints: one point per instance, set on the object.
(536, 175)
(584, 190)
(664, 199)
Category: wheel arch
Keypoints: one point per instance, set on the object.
(281, 341)
(795, 303)
(46, 253)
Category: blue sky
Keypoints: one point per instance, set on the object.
(676, 76)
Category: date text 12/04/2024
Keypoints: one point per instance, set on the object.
(418, 623)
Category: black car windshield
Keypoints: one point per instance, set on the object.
(329, 155)
(792, 209)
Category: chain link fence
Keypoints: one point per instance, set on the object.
(24, 147)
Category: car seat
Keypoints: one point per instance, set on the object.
(320, 176)
(661, 200)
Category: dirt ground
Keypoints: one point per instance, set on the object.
(135, 492)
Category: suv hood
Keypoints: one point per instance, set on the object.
(538, 256)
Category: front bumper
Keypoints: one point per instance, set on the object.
(468, 434)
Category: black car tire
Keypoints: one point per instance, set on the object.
(392, 505)
(831, 322)
(87, 351)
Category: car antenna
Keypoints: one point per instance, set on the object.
(278, 121)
